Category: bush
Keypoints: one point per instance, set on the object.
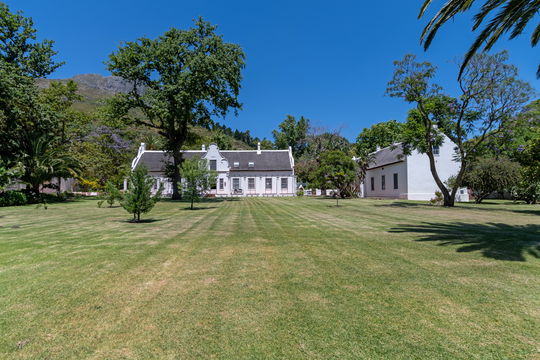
(300, 192)
(112, 193)
(438, 199)
(13, 198)
(528, 191)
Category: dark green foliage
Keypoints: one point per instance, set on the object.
(138, 198)
(378, 135)
(197, 179)
(292, 133)
(22, 59)
(338, 171)
(19, 48)
(8, 174)
(528, 188)
(319, 141)
(487, 175)
(512, 17)
(44, 160)
(222, 141)
(178, 80)
(13, 198)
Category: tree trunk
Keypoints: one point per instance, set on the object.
(449, 198)
(138, 216)
(35, 189)
(59, 186)
(175, 175)
(192, 203)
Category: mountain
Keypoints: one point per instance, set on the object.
(95, 89)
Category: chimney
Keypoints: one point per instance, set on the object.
(203, 147)
(378, 148)
(142, 148)
(258, 148)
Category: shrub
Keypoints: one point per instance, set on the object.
(13, 198)
(528, 191)
(300, 192)
(112, 193)
(438, 199)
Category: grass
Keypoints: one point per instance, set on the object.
(271, 279)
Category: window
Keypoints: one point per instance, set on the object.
(251, 183)
(251, 164)
(236, 183)
(396, 181)
(268, 183)
(213, 165)
(436, 150)
(236, 164)
(221, 184)
(383, 182)
(284, 183)
(372, 184)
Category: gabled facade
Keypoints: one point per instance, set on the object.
(239, 172)
(392, 174)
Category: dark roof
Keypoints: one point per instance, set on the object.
(155, 161)
(276, 160)
(266, 160)
(388, 155)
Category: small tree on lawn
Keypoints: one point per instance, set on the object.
(138, 199)
(337, 170)
(488, 174)
(198, 179)
(112, 193)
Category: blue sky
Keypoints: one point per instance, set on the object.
(328, 61)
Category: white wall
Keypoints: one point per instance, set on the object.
(260, 185)
(388, 171)
(422, 186)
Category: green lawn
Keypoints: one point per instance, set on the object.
(271, 279)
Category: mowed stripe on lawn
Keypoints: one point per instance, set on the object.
(263, 278)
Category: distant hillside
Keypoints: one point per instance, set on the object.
(95, 89)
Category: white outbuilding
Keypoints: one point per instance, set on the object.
(395, 175)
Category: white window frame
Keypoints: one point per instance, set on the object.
(251, 183)
(286, 187)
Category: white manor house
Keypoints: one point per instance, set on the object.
(239, 172)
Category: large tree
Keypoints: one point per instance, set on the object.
(491, 95)
(293, 133)
(22, 59)
(178, 80)
(501, 16)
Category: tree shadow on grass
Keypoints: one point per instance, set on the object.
(525, 209)
(199, 208)
(205, 200)
(494, 240)
(142, 221)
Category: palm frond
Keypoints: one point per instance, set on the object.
(513, 17)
